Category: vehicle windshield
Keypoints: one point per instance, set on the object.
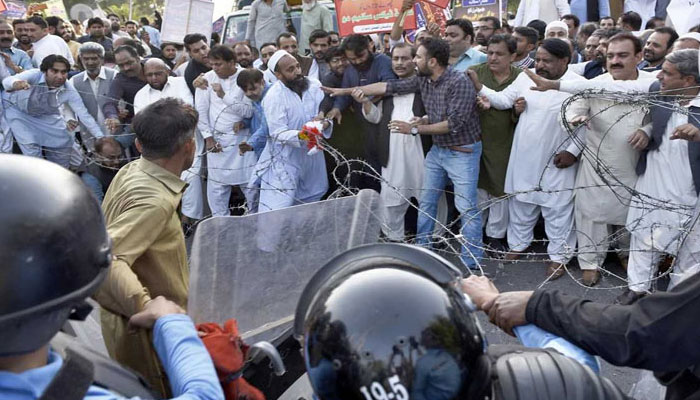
(236, 25)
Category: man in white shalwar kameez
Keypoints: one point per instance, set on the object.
(541, 169)
(669, 170)
(160, 86)
(607, 167)
(402, 177)
(289, 173)
(221, 106)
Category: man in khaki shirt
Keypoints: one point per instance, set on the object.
(141, 209)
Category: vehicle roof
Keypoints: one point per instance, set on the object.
(246, 10)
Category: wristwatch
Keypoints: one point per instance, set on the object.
(414, 130)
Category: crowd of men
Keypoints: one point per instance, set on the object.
(456, 110)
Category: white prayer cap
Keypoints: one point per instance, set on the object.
(276, 57)
(556, 24)
(691, 35)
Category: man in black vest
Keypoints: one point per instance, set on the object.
(669, 170)
(400, 153)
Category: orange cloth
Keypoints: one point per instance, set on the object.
(228, 352)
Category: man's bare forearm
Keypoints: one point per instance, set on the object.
(439, 128)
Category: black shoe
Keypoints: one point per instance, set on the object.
(495, 248)
(629, 297)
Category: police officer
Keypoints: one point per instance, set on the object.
(54, 253)
(389, 322)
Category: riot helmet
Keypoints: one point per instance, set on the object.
(388, 322)
(54, 248)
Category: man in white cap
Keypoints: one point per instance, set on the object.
(289, 172)
(556, 29)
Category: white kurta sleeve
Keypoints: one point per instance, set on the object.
(238, 103)
(575, 86)
(201, 103)
(505, 99)
(375, 114)
(578, 107)
(277, 123)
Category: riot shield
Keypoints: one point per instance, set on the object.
(254, 268)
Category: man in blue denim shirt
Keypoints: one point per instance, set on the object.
(55, 232)
(453, 122)
(15, 59)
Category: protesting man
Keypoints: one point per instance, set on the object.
(222, 108)
(160, 86)
(541, 169)
(293, 176)
(453, 122)
(32, 108)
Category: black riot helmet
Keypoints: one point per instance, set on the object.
(388, 322)
(54, 251)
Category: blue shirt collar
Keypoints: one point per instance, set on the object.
(30, 384)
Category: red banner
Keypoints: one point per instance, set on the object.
(370, 16)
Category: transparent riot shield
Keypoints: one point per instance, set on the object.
(254, 268)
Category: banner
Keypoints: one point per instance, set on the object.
(182, 17)
(370, 16)
(427, 12)
(475, 9)
(15, 9)
(48, 8)
(684, 14)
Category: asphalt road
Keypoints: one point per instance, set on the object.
(530, 274)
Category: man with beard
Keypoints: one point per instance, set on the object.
(198, 49)
(119, 107)
(485, 27)
(93, 85)
(365, 68)
(401, 155)
(244, 55)
(498, 127)
(161, 85)
(95, 27)
(526, 39)
(222, 107)
(314, 17)
(541, 169)
(655, 226)
(294, 176)
(453, 123)
(69, 37)
(601, 209)
(596, 67)
(44, 43)
(459, 34)
(349, 137)
(659, 44)
(15, 59)
(33, 101)
(24, 42)
(55, 25)
(319, 41)
(168, 53)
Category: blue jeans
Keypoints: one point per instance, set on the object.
(462, 169)
(94, 185)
